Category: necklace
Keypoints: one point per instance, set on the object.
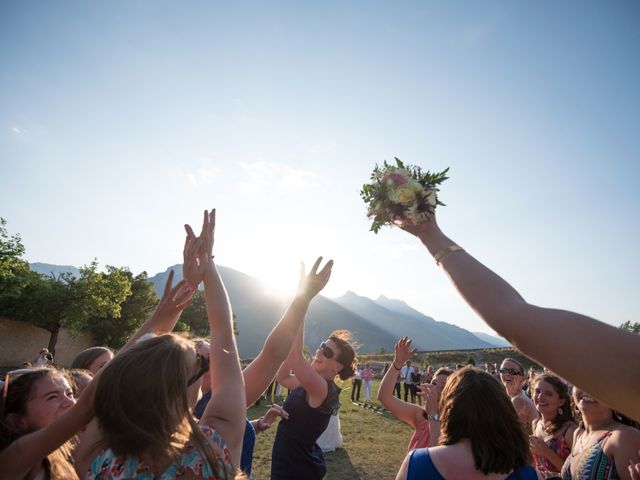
(584, 442)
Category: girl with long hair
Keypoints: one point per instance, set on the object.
(314, 395)
(424, 421)
(144, 396)
(604, 444)
(93, 359)
(480, 435)
(553, 433)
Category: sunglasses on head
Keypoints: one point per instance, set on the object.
(326, 351)
(510, 371)
(203, 367)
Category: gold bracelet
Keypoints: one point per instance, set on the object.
(446, 251)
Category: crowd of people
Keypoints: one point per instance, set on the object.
(166, 406)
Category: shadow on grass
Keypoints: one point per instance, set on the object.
(339, 465)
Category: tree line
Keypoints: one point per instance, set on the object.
(109, 304)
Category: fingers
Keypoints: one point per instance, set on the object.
(314, 269)
(326, 270)
(167, 286)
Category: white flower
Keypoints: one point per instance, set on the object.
(404, 195)
(431, 197)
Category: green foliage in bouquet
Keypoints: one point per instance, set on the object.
(401, 193)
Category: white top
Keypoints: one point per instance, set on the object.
(406, 372)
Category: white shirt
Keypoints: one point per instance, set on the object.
(406, 373)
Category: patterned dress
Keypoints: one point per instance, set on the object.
(561, 448)
(107, 466)
(592, 465)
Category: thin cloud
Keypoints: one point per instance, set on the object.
(263, 175)
(18, 131)
(204, 174)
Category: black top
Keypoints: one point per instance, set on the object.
(295, 454)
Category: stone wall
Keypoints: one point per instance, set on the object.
(21, 342)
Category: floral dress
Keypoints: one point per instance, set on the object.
(107, 466)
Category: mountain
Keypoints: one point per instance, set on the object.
(50, 269)
(399, 319)
(492, 339)
(374, 324)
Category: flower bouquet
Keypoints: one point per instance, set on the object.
(400, 194)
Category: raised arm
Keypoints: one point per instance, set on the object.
(407, 412)
(260, 373)
(227, 408)
(534, 330)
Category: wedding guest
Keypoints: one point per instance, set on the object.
(79, 380)
(605, 443)
(428, 375)
(424, 421)
(44, 358)
(135, 441)
(480, 435)
(368, 374)
(534, 330)
(37, 419)
(552, 437)
(93, 359)
(356, 384)
(416, 379)
(314, 395)
(513, 378)
(331, 438)
(405, 374)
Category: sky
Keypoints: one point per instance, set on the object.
(120, 121)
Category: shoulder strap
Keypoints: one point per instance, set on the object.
(421, 466)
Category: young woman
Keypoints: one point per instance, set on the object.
(314, 395)
(553, 433)
(513, 378)
(93, 359)
(480, 435)
(604, 445)
(144, 396)
(35, 404)
(424, 421)
(534, 330)
(368, 374)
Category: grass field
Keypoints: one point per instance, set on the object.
(374, 444)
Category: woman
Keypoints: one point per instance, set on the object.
(553, 433)
(313, 398)
(34, 402)
(368, 374)
(424, 421)
(513, 379)
(144, 396)
(93, 359)
(604, 445)
(534, 330)
(480, 435)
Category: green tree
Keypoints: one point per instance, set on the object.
(632, 327)
(15, 273)
(194, 318)
(115, 330)
(471, 360)
(382, 351)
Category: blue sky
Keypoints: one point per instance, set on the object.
(120, 121)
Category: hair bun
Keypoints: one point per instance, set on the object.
(346, 372)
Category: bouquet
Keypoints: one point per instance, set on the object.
(400, 194)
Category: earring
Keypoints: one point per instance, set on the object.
(560, 411)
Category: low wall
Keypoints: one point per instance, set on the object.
(21, 342)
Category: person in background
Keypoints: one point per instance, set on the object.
(44, 358)
(93, 359)
(80, 379)
(424, 421)
(405, 375)
(534, 330)
(513, 378)
(368, 374)
(428, 374)
(480, 435)
(416, 379)
(552, 437)
(356, 385)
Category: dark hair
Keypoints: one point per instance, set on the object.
(19, 390)
(149, 414)
(74, 375)
(562, 389)
(475, 406)
(347, 354)
(86, 357)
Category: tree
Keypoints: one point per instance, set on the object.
(115, 330)
(382, 351)
(15, 273)
(632, 327)
(471, 360)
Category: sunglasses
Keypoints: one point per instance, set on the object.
(326, 351)
(203, 367)
(511, 371)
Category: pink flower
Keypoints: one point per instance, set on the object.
(396, 178)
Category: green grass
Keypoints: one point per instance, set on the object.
(374, 444)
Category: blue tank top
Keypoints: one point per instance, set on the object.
(422, 468)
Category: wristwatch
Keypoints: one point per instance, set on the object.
(433, 416)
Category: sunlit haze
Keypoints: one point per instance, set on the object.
(120, 121)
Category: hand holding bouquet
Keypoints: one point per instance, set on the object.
(401, 194)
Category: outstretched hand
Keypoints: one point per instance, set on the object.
(175, 299)
(421, 228)
(404, 351)
(431, 397)
(198, 250)
(274, 412)
(311, 284)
